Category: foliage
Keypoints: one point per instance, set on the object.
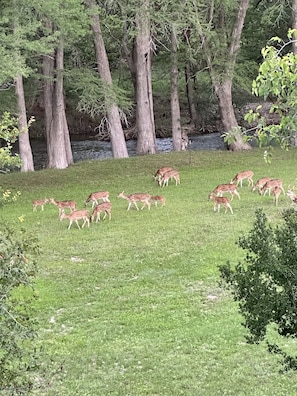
(17, 270)
(276, 80)
(95, 96)
(8, 133)
(265, 284)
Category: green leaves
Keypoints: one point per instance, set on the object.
(276, 81)
(265, 284)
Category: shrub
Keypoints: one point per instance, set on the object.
(17, 326)
(265, 284)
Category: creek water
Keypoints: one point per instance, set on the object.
(98, 149)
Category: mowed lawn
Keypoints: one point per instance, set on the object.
(132, 306)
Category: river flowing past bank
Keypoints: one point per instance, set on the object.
(98, 150)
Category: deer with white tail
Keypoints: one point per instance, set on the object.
(76, 215)
(161, 171)
(218, 201)
(241, 176)
(39, 202)
(226, 188)
(170, 175)
(62, 205)
(104, 207)
(134, 198)
(97, 196)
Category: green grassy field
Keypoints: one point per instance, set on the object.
(132, 306)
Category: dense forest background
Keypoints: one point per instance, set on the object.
(137, 69)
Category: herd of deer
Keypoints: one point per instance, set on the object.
(263, 185)
(162, 176)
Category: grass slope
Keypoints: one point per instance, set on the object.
(132, 306)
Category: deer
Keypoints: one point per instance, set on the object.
(158, 198)
(76, 215)
(102, 207)
(173, 174)
(96, 196)
(218, 201)
(160, 172)
(276, 191)
(134, 198)
(260, 183)
(225, 188)
(39, 202)
(270, 185)
(293, 197)
(62, 205)
(239, 177)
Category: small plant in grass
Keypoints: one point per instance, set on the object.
(265, 284)
(17, 327)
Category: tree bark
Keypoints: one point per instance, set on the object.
(224, 94)
(145, 123)
(190, 83)
(117, 137)
(175, 105)
(24, 141)
(222, 82)
(59, 147)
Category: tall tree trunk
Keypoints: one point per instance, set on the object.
(117, 137)
(145, 123)
(59, 153)
(175, 105)
(190, 95)
(223, 82)
(24, 141)
(224, 94)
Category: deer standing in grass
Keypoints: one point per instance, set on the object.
(270, 185)
(158, 198)
(134, 198)
(260, 183)
(62, 205)
(276, 191)
(218, 201)
(100, 208)
(226, 188)
(160, 172)
(39, 202)
(97, 196)
(245, 175)
(293, 196)
(75, 216)
(170, 175)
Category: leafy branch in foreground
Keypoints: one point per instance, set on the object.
(17, 326)
(8, 134)
(265, 284)
(277, 79)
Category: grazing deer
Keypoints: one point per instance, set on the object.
(270, 185)
(39, 202)
(62, 205)
(96, 196)
(76, 215)
(225, 188)
(292, 196)
(173, 174)
(160, 172)
(218, 201)
(158, 198)
(276, 191)
(238, 179)
(134, 198)
(260, 183)
(103, 207)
